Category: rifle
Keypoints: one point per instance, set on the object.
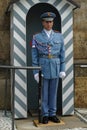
(39, 97)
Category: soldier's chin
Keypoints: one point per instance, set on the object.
(48, 29)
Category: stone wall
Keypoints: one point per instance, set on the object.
(4, 31)
(4, 50)
(81, 92)
(80, 51)
(80, 31)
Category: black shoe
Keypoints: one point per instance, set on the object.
(54, 119)
(45, 120)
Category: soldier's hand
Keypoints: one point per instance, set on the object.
(62, 75)
(36, 77)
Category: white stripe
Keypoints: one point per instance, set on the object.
(60, 5)
(22, 87)
(19, 25)
(69, 63)
(36, 1)
(68, 105)
(82, 110)
(68, 38)
(24, 72)
(69, 50)
(51, 1)
(73, 6)
(16, 63)
(20, 54)
(20, 95)
(68, 92)
(72, 111)
(67, 25)
(20, 81)
(82, 117)
(25, 4)
(19, 38)
(19, 11)
(20, 109)
(16, 116)
(67, 79)
(66, 13)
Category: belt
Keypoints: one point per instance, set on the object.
(48, 56)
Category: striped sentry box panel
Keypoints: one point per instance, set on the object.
(20, 10)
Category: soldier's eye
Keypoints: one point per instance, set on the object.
(49, 21)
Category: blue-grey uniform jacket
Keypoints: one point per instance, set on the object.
(49, 53)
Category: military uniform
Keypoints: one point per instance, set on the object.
(49, 53)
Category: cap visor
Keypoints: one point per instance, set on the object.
(48, 19)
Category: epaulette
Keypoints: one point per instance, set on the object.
(56, 31)
(35, 34)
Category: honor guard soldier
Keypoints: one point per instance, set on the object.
(48, 51)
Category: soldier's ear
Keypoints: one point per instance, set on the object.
(42, 22)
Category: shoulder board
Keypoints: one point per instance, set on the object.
(56, 31)
(35, 34)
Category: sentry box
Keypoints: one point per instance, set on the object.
(25, 21)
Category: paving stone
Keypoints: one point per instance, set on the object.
(5, 122)
(72, 123)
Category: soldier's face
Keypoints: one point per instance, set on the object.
(47, 24)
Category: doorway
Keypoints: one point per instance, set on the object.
(33, 25)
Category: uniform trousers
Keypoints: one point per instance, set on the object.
(49, 97)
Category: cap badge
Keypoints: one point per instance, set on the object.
(49, 14)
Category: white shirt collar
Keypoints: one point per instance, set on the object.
(48, 32)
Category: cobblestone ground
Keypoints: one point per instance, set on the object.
(83, 112)
(77, 129)
(5, 122)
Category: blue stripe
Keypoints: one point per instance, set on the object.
(68, 99)
(22, 7)
(69, 43)
(30, 2)
(67, 19)
(19, 114)
(19, 32)
(56, 2)
(43, 0)
(19, 59)
(67, 32)
(20, 75)
(67, 85)
(17, 16)
(20, 88)
(69, 70)
(64, 8)
(70, 110)
(69, 57)
(19, 46)
(20, 102)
